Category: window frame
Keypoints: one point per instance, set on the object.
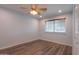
(54, 25)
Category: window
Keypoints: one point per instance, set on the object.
(57, 25)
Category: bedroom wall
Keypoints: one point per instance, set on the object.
(61, 38)
(76, 30)
(16, 28)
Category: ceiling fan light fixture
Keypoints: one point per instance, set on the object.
(33, 12)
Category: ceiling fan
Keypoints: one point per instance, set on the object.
(34, 9)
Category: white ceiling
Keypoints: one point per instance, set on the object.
(52, 9)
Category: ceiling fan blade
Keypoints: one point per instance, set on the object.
(39, 12)
(41, 8)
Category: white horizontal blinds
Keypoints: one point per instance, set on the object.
(59, 25)
(56, 25)
(49, 26)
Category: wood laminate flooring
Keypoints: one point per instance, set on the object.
(38, 47)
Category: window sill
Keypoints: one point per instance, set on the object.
(56, 32)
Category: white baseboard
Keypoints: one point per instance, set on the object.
(57, 42)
